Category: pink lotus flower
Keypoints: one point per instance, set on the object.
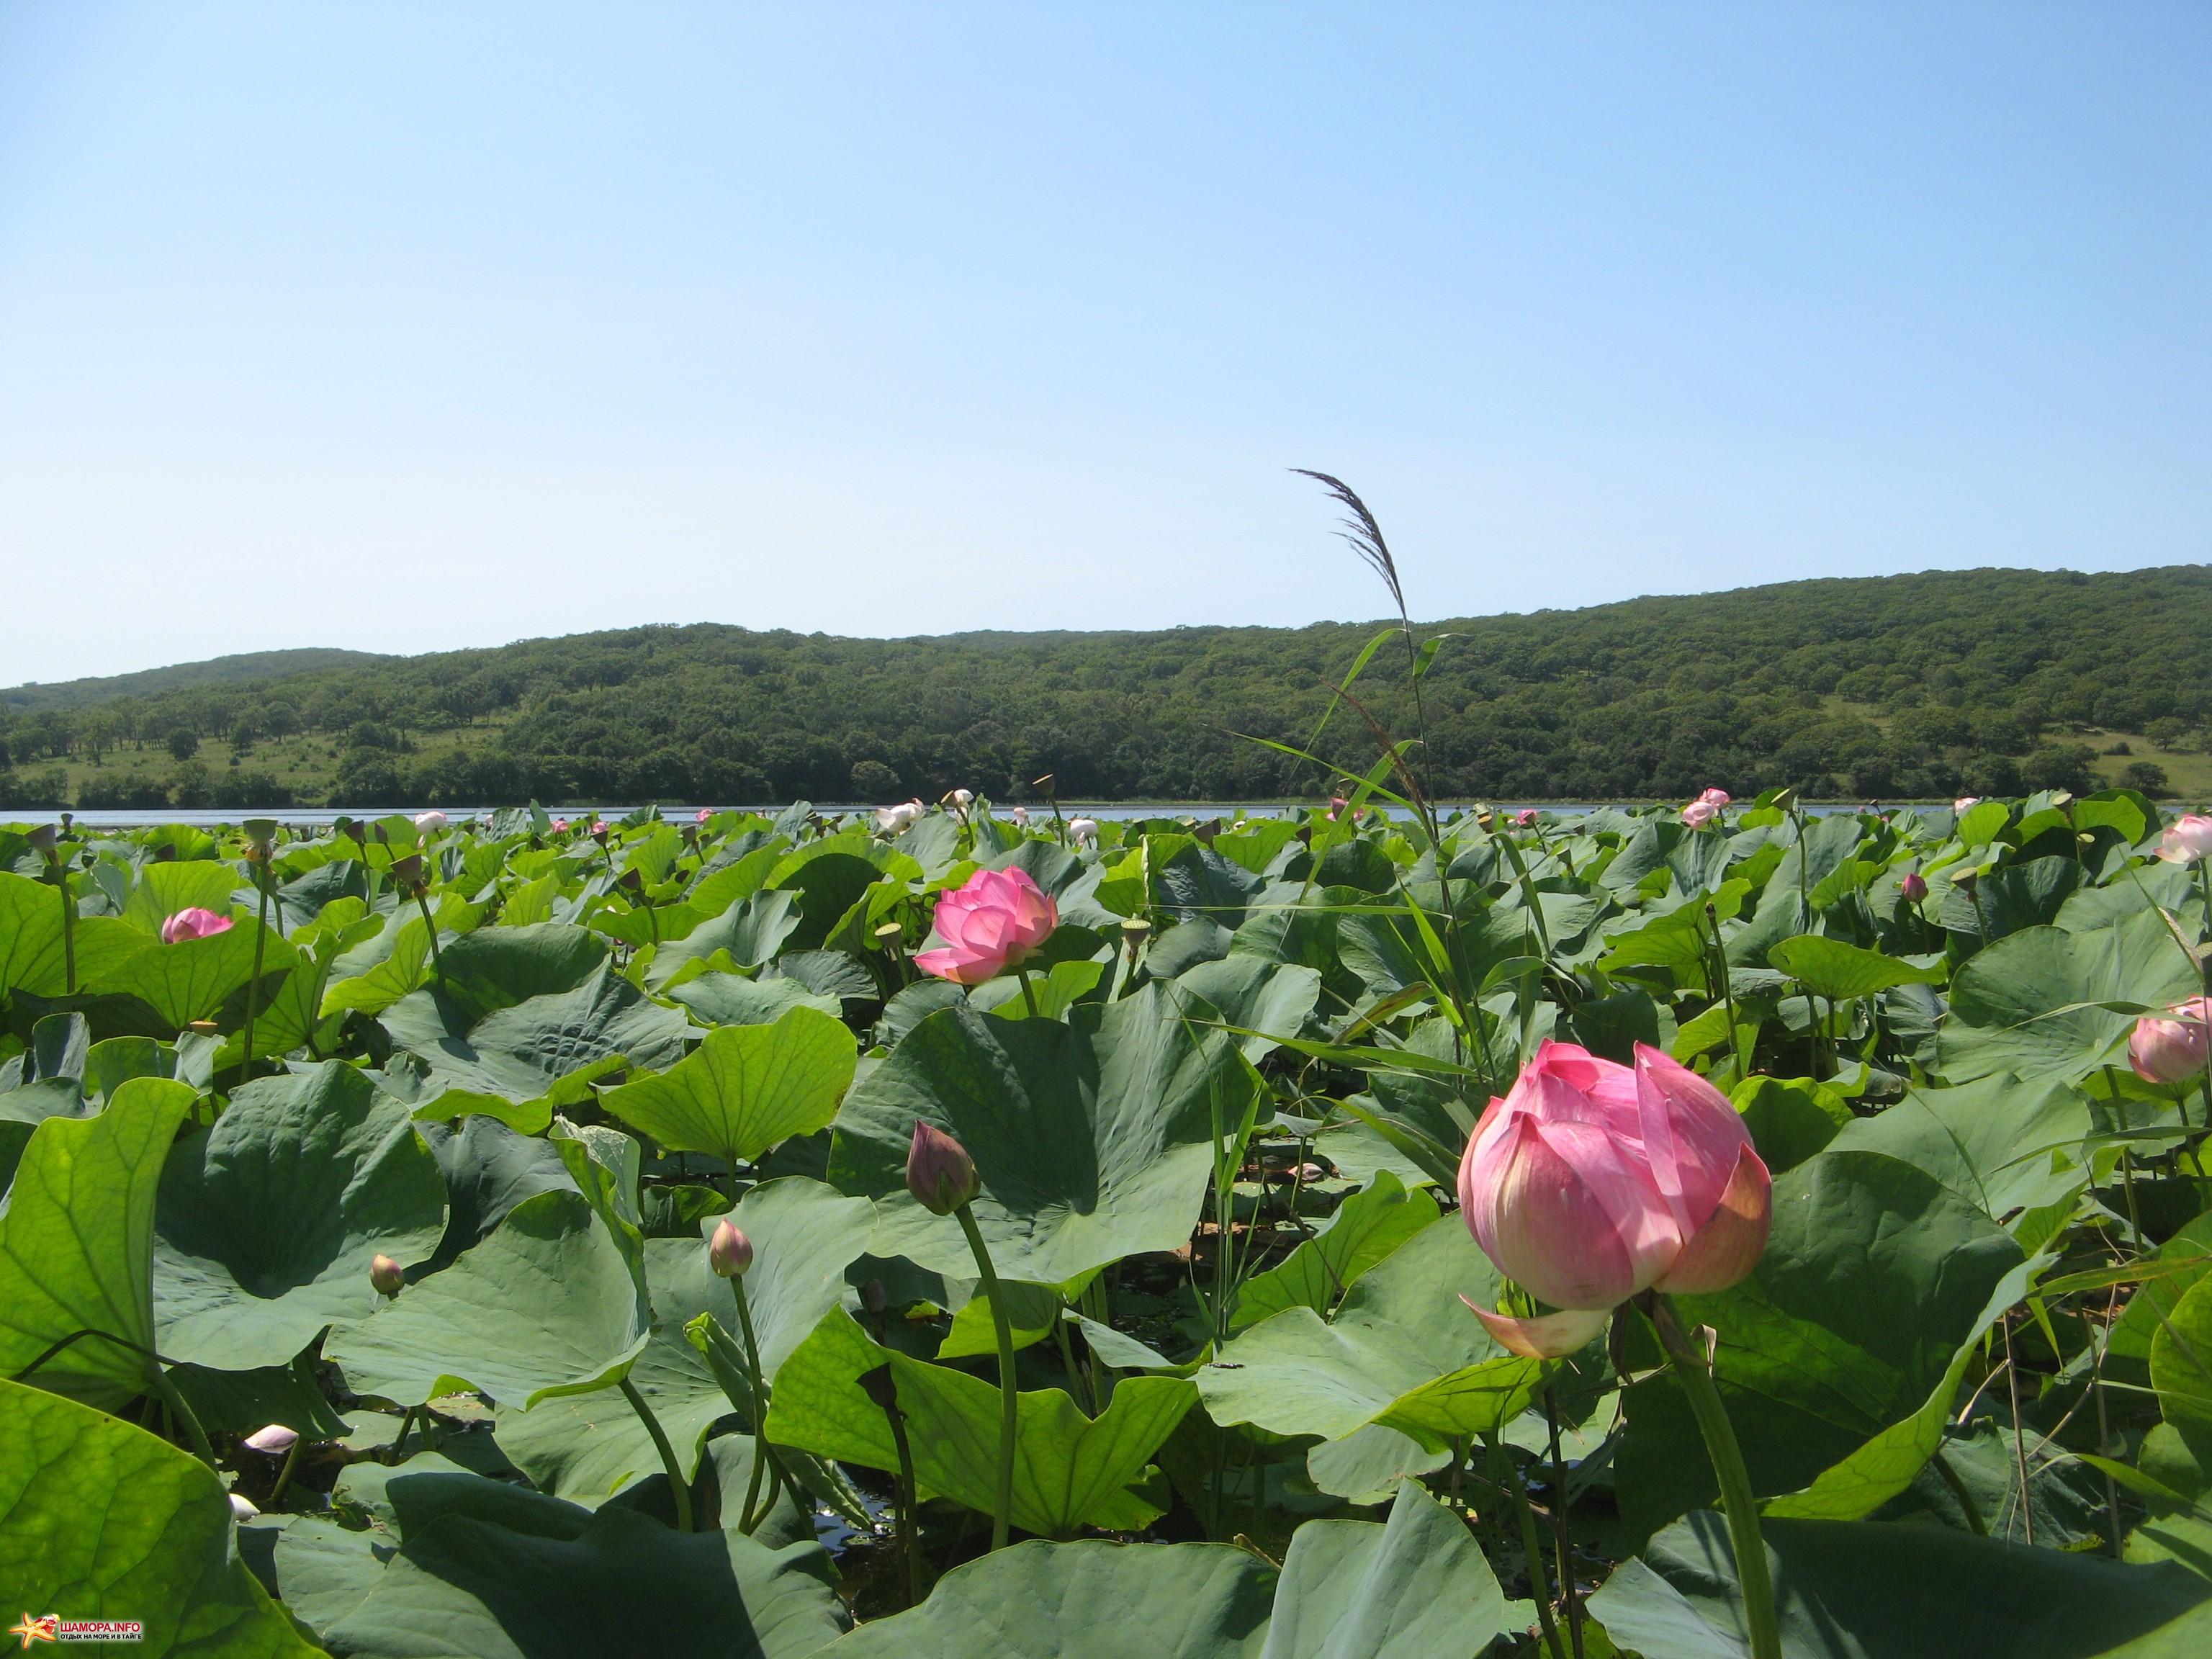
(1592, 1181)
(938, 1171)
(599, 828)
(194, 923)
(989, 925)
(275, 1439)
(1700, 813)
(2172, 1050)
(705, 813)
(1336, 803)
(429, 822)
(1912, 887)
(1965, 802)
(1526, 818)
(1715, 797)
(2187, 840)
(560, 826)
(730, 1253)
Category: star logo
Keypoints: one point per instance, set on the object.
(36, 1630)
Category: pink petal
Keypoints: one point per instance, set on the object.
(1551, 1336)
(1691, 1135)
(1728, 1247)
(1546, 1228)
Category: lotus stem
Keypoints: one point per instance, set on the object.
(1563, 1541)
(1029, 995)
(677, 1484)
(1532, 1545)
(1736, 1499)
(1009, 1399)
(182, 1410)
(284, 1474)
(437, 961)
(253, 985)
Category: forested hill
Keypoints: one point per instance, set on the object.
(252, 665)
(1890, 687)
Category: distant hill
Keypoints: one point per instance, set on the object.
(1895, 688)
(216, 670)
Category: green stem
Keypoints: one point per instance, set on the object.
(1563, 1541)
(677, 1484)
(1950, 1477)
(1532, 1546)
(437, 961)
(253, 985)
(185, 1415)
(69, 930)
(758, 1384)
(1009, 1402)
(284, 1474)
(1736, 1498)
(1029, 995)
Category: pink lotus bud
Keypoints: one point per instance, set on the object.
(730, 1251)
(1912, 887)
(387, 1275)
(2172, 1050)
(1526, 817)
(430, 823)
(560, 826)
(275, 1439)
(990, 924)
(2188, 839)
(1700, 813)
(1591, 1181)
(599, 829)
(1083, 831)
(243, 1508)
(938, 1171)
(194, 923)
(1336, 803)
(1965, 801)
(705, 813)
(1715, 797)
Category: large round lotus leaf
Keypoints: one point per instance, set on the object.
(1874, 1276)
(1415, 1588)
(100, 1520)
(744, 1089)
(194, 978)
(76, 1243)
(2027, 1003)
(545, 1306)
(1092, 1144)
(268, 1221)
(488, 1170)
(2003, 1145)
(465, 1585)
(2181, 1359)
(520, 1052)
(1086, 1601)
(1402, 1351)
(588, 1447)
(1845, 1591)
(497, 967)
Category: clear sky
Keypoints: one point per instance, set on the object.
(407, 326)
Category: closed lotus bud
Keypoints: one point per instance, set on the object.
(873, 1298)
(706, 813)
(730, 1252)
(1912, 887)
(938, 1171)
(1714, 797)
(1526, 818)
(2172, 1050)
(193, 923)
(1592, 1181)
(243, 1508)
(387, 1275)
(1083, 831)
(599, 831)
(275, 1439)
(430, 823)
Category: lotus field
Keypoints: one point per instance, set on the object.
(1376, 1232)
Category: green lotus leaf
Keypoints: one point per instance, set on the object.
(76, 1243)
(2002, 1143)
(100, 1520)
(1090, 1144)
(523, 1053)
(268, 1221)
(1844, 1591)
(745, 1088)
(1843, 973)
(192, 978)
(1875, 1275)
(545, 1306)
(588, 1447)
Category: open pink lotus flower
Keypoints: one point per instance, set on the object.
(989, 925)
(1700, 813)
(194, 923)
(2188, 839)
(1714, 797)
(1592, 1181)
(2172, 1050)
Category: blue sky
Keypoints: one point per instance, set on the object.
(413, 326)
